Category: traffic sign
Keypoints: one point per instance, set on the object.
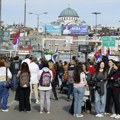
(108, 41)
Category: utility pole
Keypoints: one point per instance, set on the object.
(0, 25)
(24, 17)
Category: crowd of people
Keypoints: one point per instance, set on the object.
(87, 84)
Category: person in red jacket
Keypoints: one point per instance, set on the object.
(91, 68)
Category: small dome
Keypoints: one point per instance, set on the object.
(68, 13)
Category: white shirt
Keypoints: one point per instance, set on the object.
(82, 82)
(3, 74)
(34, 71)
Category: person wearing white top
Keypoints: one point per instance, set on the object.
(45, 92)
(4, 94)
(34, 79)
(79, 90)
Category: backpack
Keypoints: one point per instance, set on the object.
(24, 80)
(45, 79)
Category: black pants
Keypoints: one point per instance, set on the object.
(109, 101)
(116, 100)
(54, 89)
(24, 102)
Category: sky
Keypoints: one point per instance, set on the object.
(13, 11)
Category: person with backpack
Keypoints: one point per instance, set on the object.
(14, 68)
(24, 88)
(45, 87)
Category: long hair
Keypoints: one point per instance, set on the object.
(98, 67)
(76, 74)
(25, 68)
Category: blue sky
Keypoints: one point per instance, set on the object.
(13, 11)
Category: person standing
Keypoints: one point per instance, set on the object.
(115, 79)
(34, 79)
(14, 68)
(79, 90)
(24, 88)
(4, 92)
(45, 86)
(109, 97)
(100, 77)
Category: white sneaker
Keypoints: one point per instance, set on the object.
(117, 117)
(41, 112)
(37, 102)
(79, 115)
(48, 112)
(99, 115)
(113, 115)
(5, 110)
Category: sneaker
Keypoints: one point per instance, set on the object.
(41, 112)
(5, 110)
(37, 102)
(79, 115)
(117, 117)
(113, 115)
(99, 115)
(28, 111)
(48, 112)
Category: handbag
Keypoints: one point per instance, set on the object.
(8, 82)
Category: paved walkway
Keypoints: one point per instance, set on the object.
(59, 111)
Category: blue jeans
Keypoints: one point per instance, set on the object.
(100, 101)
(3, 95)
(14, 82)
(70, 90)
(78, 99)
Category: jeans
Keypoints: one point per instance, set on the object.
(14, 82)
(3, 95)
(78, 99)
(45, 95)
(70, 89)
(100, 101)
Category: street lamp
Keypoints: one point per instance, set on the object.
(24, 13)
(96, 13)
(38, 17)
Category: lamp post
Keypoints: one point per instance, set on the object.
(96, 13)
(38, 17)
(24, 13)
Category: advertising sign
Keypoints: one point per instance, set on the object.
(74, 29)
(50, 29)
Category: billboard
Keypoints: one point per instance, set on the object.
(50, 29)
(74, 29)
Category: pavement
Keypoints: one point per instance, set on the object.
(59, 111)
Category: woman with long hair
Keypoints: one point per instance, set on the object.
(79, 90)
(24, 88)
(100, 77)
(115, 79)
